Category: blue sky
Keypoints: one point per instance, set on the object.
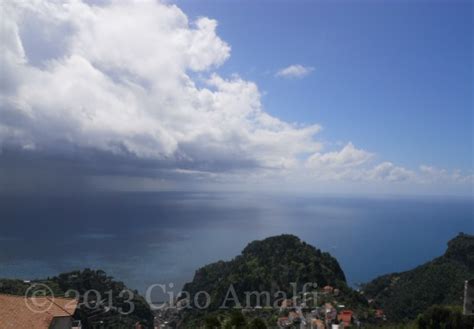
(366, 97)
(393, 76)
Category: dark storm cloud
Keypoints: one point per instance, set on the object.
(74, 169)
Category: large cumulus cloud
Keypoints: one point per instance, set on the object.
(122, 84)
(138, 83)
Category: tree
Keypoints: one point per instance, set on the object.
(257, 324)
(211, 322)
(236, 321)
(441, 317)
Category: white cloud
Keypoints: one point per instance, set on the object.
(294, 71)
(429, 174)
(389, 172)
(344, 164)
(122, 84)
(348, 156)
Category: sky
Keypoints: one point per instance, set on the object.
(377, 67)
(317, 96)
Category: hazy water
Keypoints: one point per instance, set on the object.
(146, 238)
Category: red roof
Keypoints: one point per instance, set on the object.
(345, 317)
(19, 312)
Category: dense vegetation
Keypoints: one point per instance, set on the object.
(439, 282)
(270, 265)
(13, 287)
(267, 265)
(231, 320)
(107, 301)
(427, 297)
(444, 317)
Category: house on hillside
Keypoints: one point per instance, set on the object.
(294, 317)
(328, 289)
(286, 303)
(379, 314)
(329, 311)
(19, 312)
(317, 324)
(345, 317)
(284, 322)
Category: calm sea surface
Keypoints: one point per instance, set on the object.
(146, 238)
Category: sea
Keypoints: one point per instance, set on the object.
(147, 238)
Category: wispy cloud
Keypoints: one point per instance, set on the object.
(294, 71)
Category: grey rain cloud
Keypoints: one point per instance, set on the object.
(132, 90)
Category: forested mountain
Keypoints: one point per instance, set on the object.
(269, 265)
(272, 265)
(439, 282)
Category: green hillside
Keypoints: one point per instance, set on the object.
(439, 282)
(268, 265)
